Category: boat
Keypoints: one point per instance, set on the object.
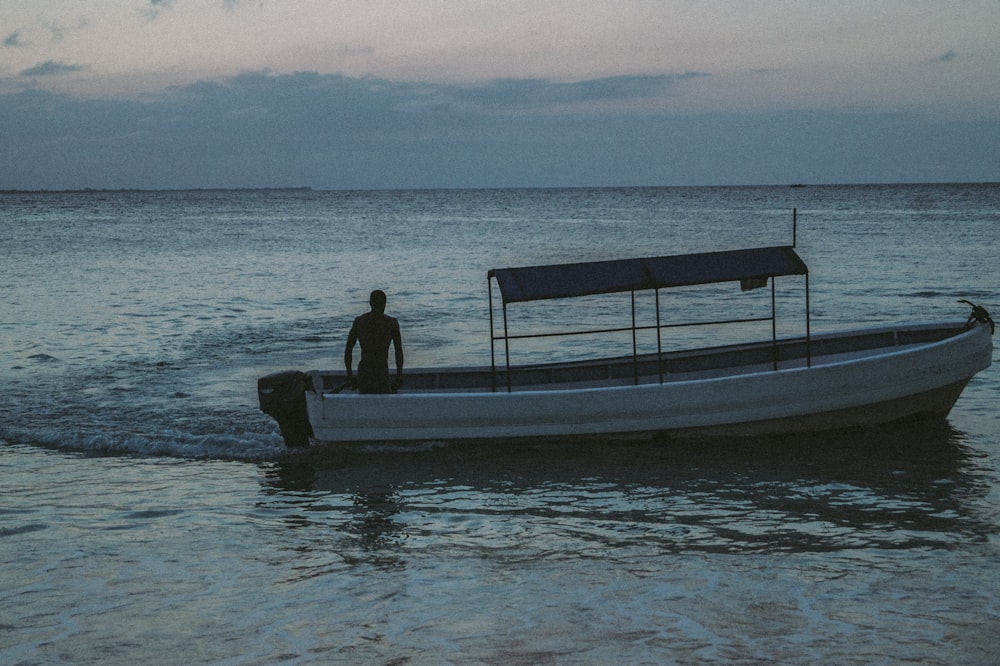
(778, 385)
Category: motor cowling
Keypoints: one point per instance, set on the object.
(282, 396)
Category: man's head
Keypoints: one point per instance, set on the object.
(377, 300)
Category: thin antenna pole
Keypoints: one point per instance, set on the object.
(795, 226)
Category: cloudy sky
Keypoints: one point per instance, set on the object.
(475, 93)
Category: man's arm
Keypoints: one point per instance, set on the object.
(397, 345)
(352, 339)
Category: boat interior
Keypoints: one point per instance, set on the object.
(687, 365)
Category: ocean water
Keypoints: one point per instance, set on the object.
(150, 514)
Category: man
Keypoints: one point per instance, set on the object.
(375, 330)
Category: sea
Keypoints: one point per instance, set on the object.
(150, 513)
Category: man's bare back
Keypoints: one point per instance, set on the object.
(375, 331)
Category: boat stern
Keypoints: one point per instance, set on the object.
(282, 396)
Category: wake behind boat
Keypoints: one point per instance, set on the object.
(805, 383)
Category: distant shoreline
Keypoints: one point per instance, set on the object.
(94, 190)
(137, 190)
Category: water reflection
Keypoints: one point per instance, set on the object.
(372, 519)
(355, 525)
(904, 486)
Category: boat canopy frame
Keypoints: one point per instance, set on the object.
(752, 268)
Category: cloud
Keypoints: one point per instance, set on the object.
(154, 7)
(59, 31)
(324, 101)
(339, 132)
(948, 56)
(535, 93)
(13, 40)
(51, 68)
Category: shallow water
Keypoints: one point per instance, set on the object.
(150, 514)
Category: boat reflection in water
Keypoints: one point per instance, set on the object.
(899, 486)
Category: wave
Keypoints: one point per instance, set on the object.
(244, 446)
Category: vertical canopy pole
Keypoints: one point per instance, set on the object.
(635, 346)
(808, 332)
(774, 324)
(506, 344)
(493, 355)
(659, 342)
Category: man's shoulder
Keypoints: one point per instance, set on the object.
(376, 319)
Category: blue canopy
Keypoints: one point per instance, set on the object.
(534, 283)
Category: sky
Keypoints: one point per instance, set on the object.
(341, 94)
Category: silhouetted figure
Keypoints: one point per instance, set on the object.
(375, 331)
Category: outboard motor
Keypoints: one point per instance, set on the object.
(282, 395)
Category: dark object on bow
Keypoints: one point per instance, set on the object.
(980, 314)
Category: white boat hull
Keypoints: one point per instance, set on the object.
(838, 391)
